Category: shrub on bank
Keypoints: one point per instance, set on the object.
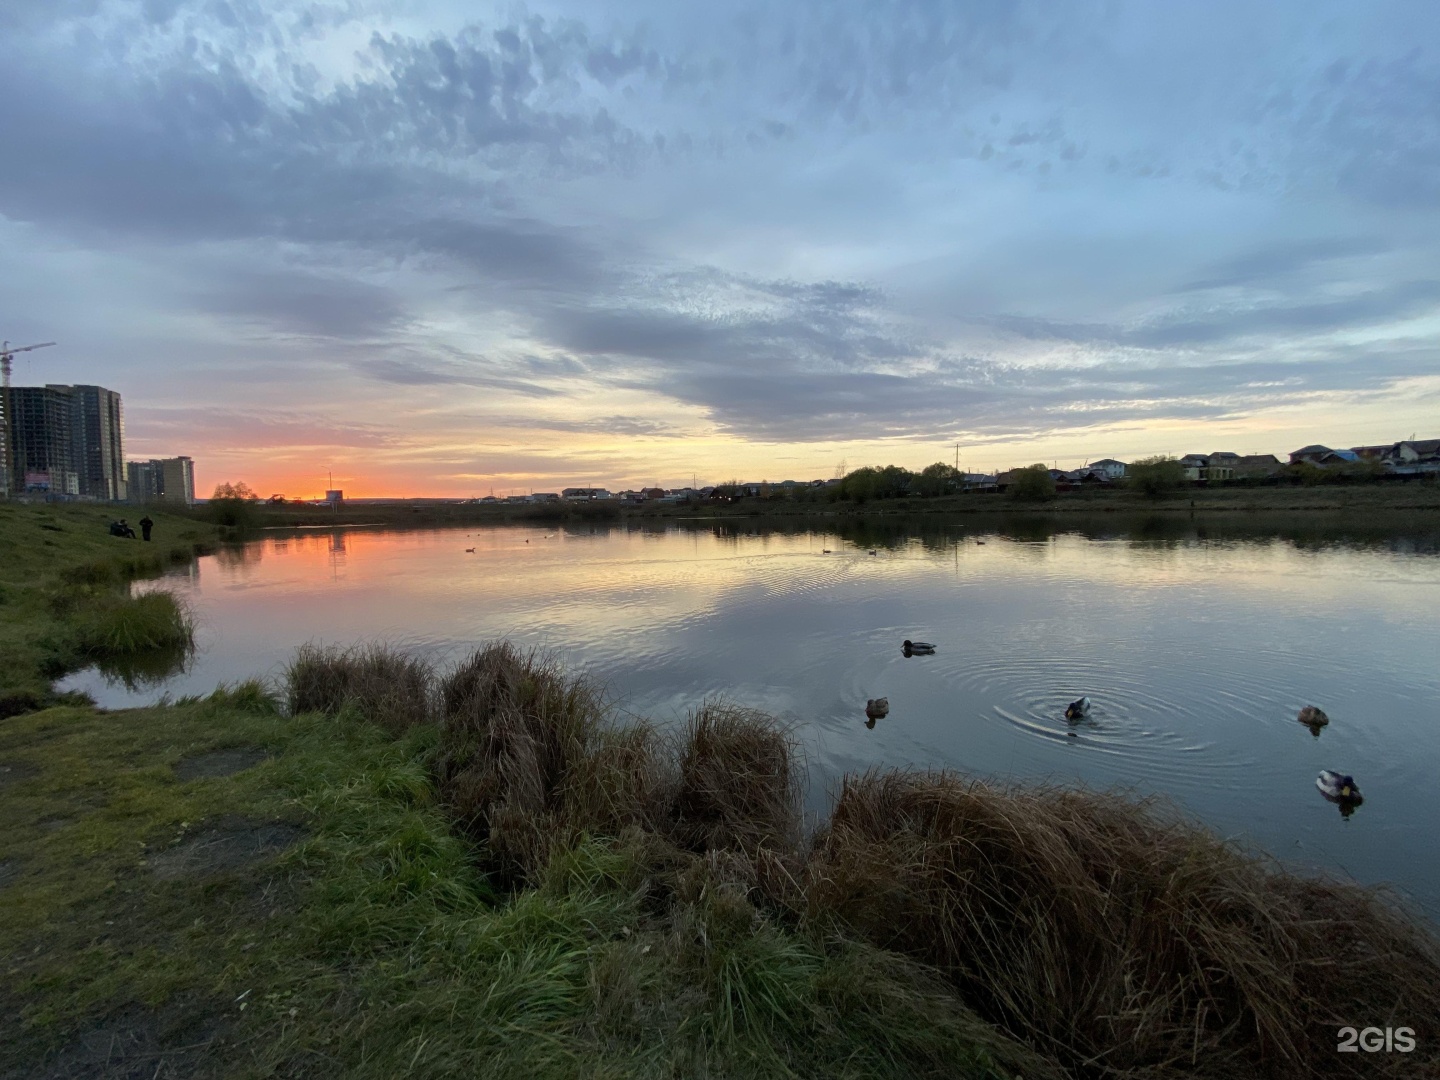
(1032, 484)
(1156, 476)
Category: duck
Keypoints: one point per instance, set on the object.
(877, 708)
(919, 647)
(980, 542)
(1312, 717)
(874, 552)
(1338, 787)
(824, 551)
(469, 551)
(1078, 710)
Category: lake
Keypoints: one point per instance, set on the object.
(1196, 643)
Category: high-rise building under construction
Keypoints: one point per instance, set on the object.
(170, 480)
(66, 440)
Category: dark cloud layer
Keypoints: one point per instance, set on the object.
(708, 207)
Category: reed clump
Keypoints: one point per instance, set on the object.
(737, 783)
(529, 762)
(385, 686)
(518, 739)
(118, 625)
(1116, 940)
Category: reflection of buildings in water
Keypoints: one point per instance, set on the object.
(337, 555)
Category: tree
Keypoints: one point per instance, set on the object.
(1032, 484)
(228, 490)
(937, 479)
(233, 505)
(861, 485)
(1156, 476)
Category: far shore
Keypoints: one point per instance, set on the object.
(1412, 497)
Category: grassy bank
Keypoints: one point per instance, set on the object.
(64, 592)
(317, 914)
(387, 870)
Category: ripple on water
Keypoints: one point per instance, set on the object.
(1185, 730)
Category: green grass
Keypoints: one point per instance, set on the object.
(60, 568)
(122, 625)
(374, 947)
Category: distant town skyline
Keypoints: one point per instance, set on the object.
(441, 247)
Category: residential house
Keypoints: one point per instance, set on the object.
(1255, 466)
(1108, 469)
(1323, 456)
(584, 494)
(544, 497)
(1220, 465)
(1195, 466)
(1412, 457)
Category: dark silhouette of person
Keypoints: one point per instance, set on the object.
(146, 525)
(125, 530)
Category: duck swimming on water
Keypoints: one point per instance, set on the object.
(1338, 787)
(919, 648)
(877, 708)
(1312, 717)
(1078, 710)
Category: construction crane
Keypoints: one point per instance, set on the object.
(6, 352)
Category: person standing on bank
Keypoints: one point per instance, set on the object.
(145, 526)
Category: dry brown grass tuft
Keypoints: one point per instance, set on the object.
(1121, 942)
(387, 687)
(526, 765)
(738, 787)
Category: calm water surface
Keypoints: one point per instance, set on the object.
(1197, 648)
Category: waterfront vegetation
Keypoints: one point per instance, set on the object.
(1337, 494)
(379, 869)
(65, 593)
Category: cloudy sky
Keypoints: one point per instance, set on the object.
(448, 247)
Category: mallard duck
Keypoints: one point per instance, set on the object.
(919, 647)
(1078, 710)
(1312, 717)
(877, 708)
(1338, 787)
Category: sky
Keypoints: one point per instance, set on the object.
(435, 248)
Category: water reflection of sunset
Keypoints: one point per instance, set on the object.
(1197, 653)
